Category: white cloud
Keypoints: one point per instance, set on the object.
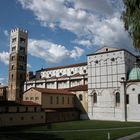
(6, 33)
(95, 22)
(51, 52)
(3, 81)
(4, 57)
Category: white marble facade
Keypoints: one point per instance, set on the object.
(108, 71)
(59, 77)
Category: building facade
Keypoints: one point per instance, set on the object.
(108, 78)
(17, 63)
(59, 77)
(3, 93)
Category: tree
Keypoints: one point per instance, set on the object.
(131, 18)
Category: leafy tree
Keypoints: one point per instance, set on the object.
(131, 18)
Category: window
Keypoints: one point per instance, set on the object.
(12, 67)
(57, 100)
(60, 73)
(95, 98)
(12, 58)
(127, 99)
(42, 117)
(10, 118)
(68, 100)
(80, 97)
(138, 98)
(35, 109)
(22, 118)
(32, 117)
(21, 67)
(73, 100)
(117, 98)
(14, 40)
(62, 100)
(84, 71)
(71, 72)
(12, 76)
(51, 99)
(22, 40)
(13, 48)
(36, 98)
(26, 109)
(22, 49)
(26, 98)
(31, 98)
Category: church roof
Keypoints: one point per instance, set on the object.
(134, 73)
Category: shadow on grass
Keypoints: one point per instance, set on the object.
(29, 136)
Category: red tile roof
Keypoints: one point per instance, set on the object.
(67, 66)
(78, 88)
(28, 103)
(18, 103)
(52, 91)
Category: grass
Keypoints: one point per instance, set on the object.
(43, 131)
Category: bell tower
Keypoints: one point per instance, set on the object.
(17, 63)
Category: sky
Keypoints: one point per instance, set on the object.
(61, 32)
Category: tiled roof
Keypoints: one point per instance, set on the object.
(18, 103)
(78, 88)
(28, 103)
(66, 66)
(52, 91)
(61, 109)
(1, 87)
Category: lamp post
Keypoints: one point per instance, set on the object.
(125, 104)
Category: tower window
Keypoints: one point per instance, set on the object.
(12, 67)
(22, 49)
(14, 40)
(13, 48)
(13, 57)
(22, 40)
(12, 76)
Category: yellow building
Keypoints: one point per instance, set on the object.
(81, 99)
(50, 98)
(59, 104)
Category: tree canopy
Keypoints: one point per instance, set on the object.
(131, 18)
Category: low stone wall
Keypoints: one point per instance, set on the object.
(15, 119)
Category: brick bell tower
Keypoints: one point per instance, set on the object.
(17, 63)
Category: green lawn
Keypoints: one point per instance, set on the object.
(42, 132)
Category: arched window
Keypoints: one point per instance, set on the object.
(95, 98)
(117, 98)
(80, 97)
(138, 98)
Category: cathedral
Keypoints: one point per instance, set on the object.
(106, 87)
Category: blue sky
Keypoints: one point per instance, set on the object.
(61, 31)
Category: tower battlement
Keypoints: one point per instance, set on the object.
(19, 29)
